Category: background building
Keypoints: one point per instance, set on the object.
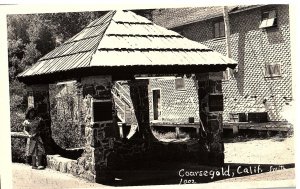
(261, 85)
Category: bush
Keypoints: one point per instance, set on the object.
(18, 149)
(18, 103)
(66, 127)
(67, 134)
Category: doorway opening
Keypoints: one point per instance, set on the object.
(156, 104)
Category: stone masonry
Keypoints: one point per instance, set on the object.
(210, 139)
(105, 152)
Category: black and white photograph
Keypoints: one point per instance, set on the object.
(160, 96)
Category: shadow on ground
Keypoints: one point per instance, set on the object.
(163, 173)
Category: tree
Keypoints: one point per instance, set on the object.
(15, 54)
(31, 55)
(17, 27)
(66, 25)
(30, 37)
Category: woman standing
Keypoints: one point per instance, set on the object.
(34, 147)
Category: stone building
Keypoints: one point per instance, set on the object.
(78, 85)
(260, 87)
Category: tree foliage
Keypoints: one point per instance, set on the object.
(31, 36)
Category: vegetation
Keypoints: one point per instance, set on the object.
(30, 37)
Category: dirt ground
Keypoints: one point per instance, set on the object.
(263, 152)
(26, 178)
(274, 150)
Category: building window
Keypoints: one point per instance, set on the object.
(215, 102)
(268, 19)
(179, 84)
(272, 70)
(219, 29)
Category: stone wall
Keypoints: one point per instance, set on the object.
(99, 135)
(105, 152)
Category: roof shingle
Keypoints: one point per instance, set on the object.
(124, 38)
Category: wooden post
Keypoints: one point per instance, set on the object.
(197, 131)
(227, 36)
(227, 30)
(177, 132)
(235, 130)
(121, 129)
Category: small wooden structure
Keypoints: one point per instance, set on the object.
(115, 47)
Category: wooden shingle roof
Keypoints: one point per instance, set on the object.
(122, 38)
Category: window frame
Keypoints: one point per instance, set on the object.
(264, 20)
(218, 22)
(175, 84)
(272, 67)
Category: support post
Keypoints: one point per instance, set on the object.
(177, 133)
(197, 131)
(101, 130)
(227, 31)
(210, 112)
(140, 101)
(235, 130)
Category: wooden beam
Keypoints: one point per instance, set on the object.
(19, 135)
(227, 31)
(196, 125)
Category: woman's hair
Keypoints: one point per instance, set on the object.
(28, 111)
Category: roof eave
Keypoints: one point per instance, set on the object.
(216, 16)
(127, 72)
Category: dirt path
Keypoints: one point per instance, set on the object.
(26, 178)
(287, 174)
(255, 152)
(261, 151)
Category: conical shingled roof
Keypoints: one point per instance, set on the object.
(122, 38)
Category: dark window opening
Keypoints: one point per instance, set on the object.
(242, 117)
(257, 117)
(102, 111)
(156, 104)
(215, 103)
(219, 29)
(273, 70)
